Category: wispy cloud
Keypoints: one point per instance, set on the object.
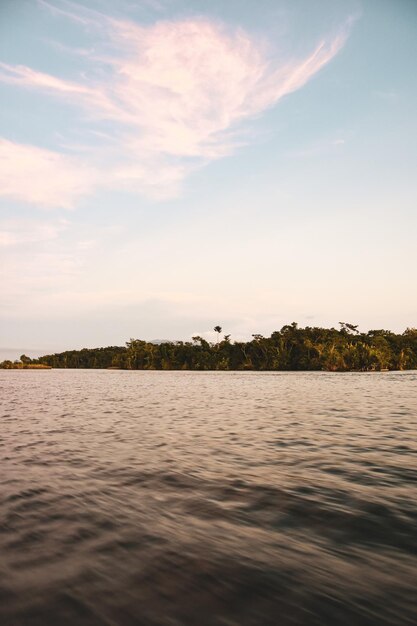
(175, 93)
(43, 177)
(18, 232)
(320, 148)
(388, 96)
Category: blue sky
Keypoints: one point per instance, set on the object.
(170, 165)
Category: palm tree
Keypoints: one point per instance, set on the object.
(218, 329)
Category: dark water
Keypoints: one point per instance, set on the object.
(232, 499)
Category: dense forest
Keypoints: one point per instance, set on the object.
(292, 348)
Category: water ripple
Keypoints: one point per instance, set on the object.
(190, 498)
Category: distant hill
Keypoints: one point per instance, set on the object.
(157, 342)
(13, 354)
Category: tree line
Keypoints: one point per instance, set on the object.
(289, 349)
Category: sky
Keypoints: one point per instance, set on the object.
(170, 165)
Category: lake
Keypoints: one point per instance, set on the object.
(208, 498)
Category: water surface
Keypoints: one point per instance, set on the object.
(207, 498)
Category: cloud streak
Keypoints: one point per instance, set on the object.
(21, 232)
(43, 177)
(175, 93)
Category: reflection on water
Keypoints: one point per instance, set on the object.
(187, 498)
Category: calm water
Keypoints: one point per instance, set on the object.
(232, 499)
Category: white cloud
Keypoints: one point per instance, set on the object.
(41, 176)
(175, 92)
(17, 232)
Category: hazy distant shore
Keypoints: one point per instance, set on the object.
(24, 366)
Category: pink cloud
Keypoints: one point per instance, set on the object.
(177, 93)
(42, 177)
(18, 232)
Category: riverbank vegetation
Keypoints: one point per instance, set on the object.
(18, 365)
(291, 348)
